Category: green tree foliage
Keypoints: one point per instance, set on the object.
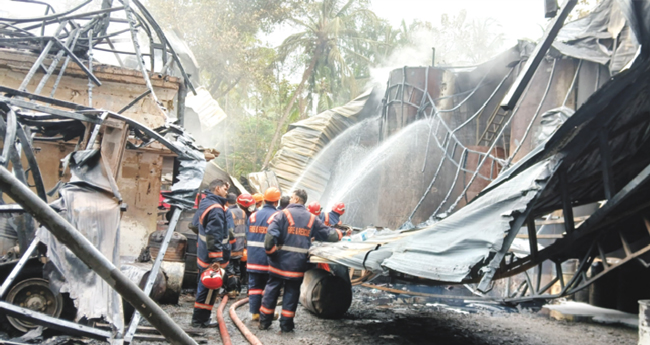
(336, 48)
(329, 30)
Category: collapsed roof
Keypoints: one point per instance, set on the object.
(599, 153)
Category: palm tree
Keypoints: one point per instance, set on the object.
(328, 37)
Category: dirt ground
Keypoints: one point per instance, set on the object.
(378, 318)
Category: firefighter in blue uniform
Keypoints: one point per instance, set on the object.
(213, 248)
(333, 217)
(287, 243)
(238, 242)
(258, 265)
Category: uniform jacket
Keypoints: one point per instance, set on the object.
(258, 225)
(212, 222)
(288, 240)
(240, 228)
(330, 218)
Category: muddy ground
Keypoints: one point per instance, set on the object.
(379, 318)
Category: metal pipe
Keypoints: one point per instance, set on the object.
(225, 337)
(90, 67)
(91, 256)
(182, 93)
(16, 270)
(242, 328)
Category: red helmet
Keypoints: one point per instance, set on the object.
(314, 208)
(339, 208)
(245, 200)
(212, 279)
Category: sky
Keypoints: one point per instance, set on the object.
(518, 18)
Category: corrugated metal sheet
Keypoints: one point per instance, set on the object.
(307, 137)
(208, 109)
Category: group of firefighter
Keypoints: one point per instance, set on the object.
(263, 239)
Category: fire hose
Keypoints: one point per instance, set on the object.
(225, 337)
(247, 333)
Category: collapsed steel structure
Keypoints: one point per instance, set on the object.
(28, 117)
(598, 155)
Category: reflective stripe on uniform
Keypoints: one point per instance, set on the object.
(202, 306)
(289, 217)
(204, 239)
(293, 249)
(257, 267)
(287, 313)
(255, 244)
(255, 292)
(270, 220)
(266, 311)
(287, 274)
(240, 235)
(215, 255)
(210, 208)
(201, 263)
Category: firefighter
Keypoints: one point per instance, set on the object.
(287, 243)
(284, 202)
(259, 198)
(333, 217)
(213, 247)
(258, 266)
(238, 226)
(314, 208)
(246, 203)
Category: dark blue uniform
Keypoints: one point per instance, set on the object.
(330, 218)
(213, 246)
(238, 243)
(257, 265)
(287, 245)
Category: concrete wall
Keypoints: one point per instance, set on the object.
(141, 170)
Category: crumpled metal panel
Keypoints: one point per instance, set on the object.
(306, 138)
(97, 216)
(447, 250)
(587, 38)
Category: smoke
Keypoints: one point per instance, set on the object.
(457, 42)
(417, 52)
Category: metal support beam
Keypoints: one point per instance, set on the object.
(39, 61)
(505, 246)
(567, 209)
(532, 236)
(182, 93)
(45, 109)
(16, 270)
(91, 256)
(606, 164)
(68, 327)
(135, 320)
(518, 87)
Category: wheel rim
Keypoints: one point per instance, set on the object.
(34, 294)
